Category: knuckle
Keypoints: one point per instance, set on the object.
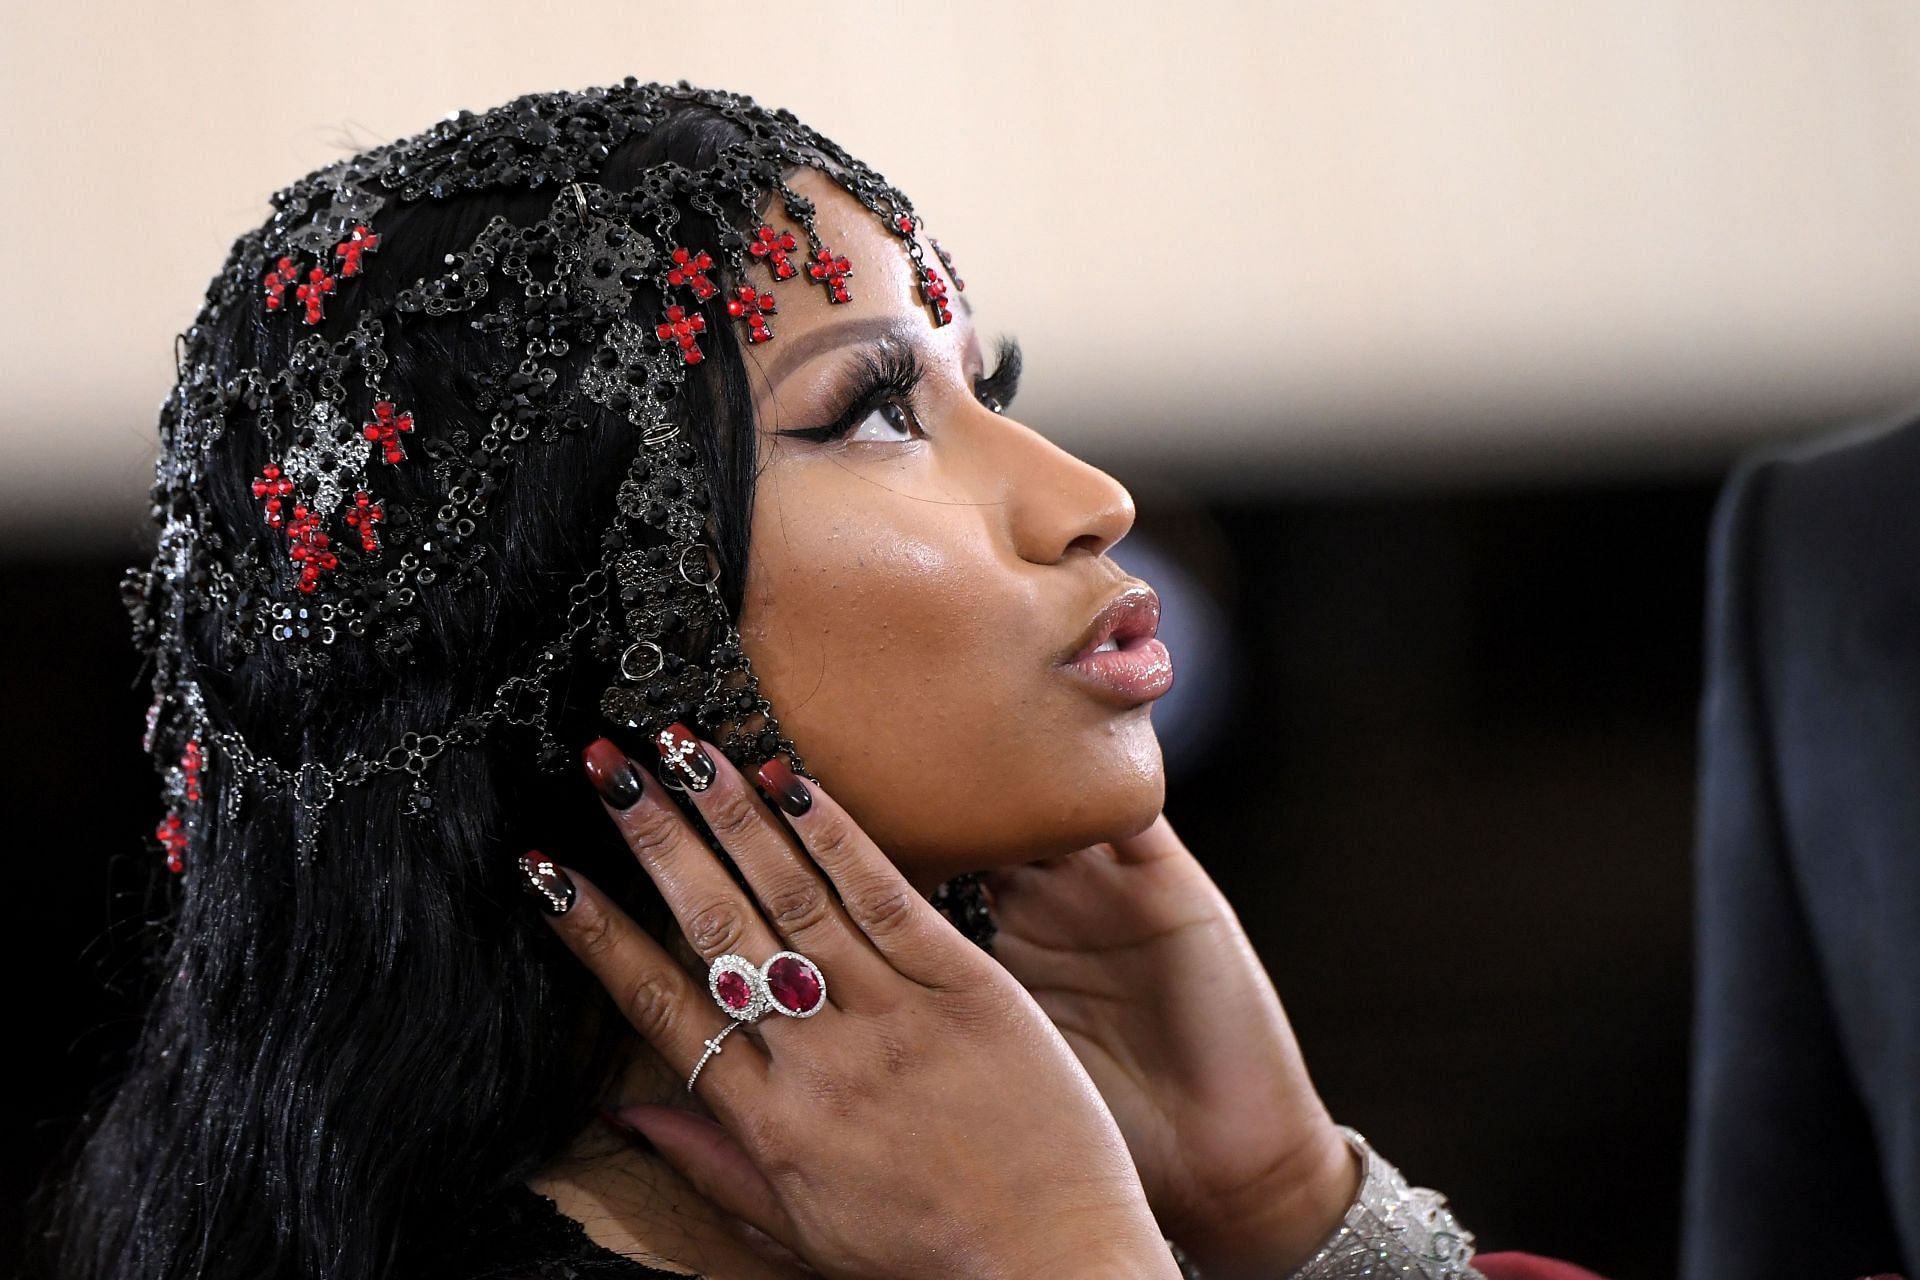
(885, 912)
(831, 1093)
(833, 844)
(597, 938)
(730, 816)
(715, 928)
(651, 831)
(765, 1134)
(895, 1056)
(797, 908)
(648, 1003)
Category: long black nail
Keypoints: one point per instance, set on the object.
(683, 754)
(613, 774)
(547, 881)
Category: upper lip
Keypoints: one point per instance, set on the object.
(1132, 613)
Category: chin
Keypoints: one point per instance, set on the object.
(1109, 784)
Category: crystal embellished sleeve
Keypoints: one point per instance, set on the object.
(1392, 1230)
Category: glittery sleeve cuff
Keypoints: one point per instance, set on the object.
(1392, 1230)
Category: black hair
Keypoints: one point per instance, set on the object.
(343, 1055)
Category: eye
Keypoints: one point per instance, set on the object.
(895, 414)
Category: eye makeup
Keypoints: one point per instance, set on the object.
(888, 374)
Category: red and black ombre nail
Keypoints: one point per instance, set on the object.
(545, 880)
(682, 753)
(786, 786)
(613, 775)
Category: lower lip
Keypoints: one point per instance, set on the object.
(1140, 670)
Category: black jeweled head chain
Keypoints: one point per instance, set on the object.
(359, 514)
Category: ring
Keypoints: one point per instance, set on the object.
(787, 983)
(713, 1047)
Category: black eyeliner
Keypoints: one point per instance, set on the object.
(889, 372)
(883, 373)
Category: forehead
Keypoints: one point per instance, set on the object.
(884, 288)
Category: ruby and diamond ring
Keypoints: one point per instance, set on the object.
(788, 983)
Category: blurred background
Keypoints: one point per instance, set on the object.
(1423, 334)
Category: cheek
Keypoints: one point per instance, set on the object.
(873, 627)
(907, 654)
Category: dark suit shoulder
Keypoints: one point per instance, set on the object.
(1823, 535)
(1857, 488)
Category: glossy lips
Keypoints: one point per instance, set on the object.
(1136, 666)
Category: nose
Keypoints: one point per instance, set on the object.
(1059, 504)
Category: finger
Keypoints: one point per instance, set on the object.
(715, 913)
(707, 1156)
(907, 930)
(796, 901)
(670, 1010)
(1157, 840)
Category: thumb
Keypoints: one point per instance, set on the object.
(1154, 841)
(705, 1154)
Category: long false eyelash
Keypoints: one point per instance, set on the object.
(891, 372)
(885, 372)
(996, 390)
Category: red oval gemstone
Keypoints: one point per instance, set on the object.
(793, 984)
(734, 991)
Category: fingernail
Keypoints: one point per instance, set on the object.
(683, 754)
(612, 773)
(778, 777)
(545, 879)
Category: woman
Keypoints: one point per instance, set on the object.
(622, 421)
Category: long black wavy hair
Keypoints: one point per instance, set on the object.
(343, 1056)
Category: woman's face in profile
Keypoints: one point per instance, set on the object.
(914, 585)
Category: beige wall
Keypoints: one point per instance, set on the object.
(1360, 240)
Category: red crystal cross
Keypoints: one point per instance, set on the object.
(774, 246)
(685, 330)
(283, 274)
(735, 991)
(360, 241)
(385, 430)
(314, 292)
(934, 290)
(687, 269)
(753, 306)
(272, 486)
(832, 271)
(172, 834)
(366, 513)
(309, 549)
(794, 984)
(190, 762)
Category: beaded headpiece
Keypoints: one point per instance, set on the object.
(344, 546)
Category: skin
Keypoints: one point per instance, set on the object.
(909, 592)
(907, 597)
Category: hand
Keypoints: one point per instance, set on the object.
(1141, 963)
(927, 1120)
